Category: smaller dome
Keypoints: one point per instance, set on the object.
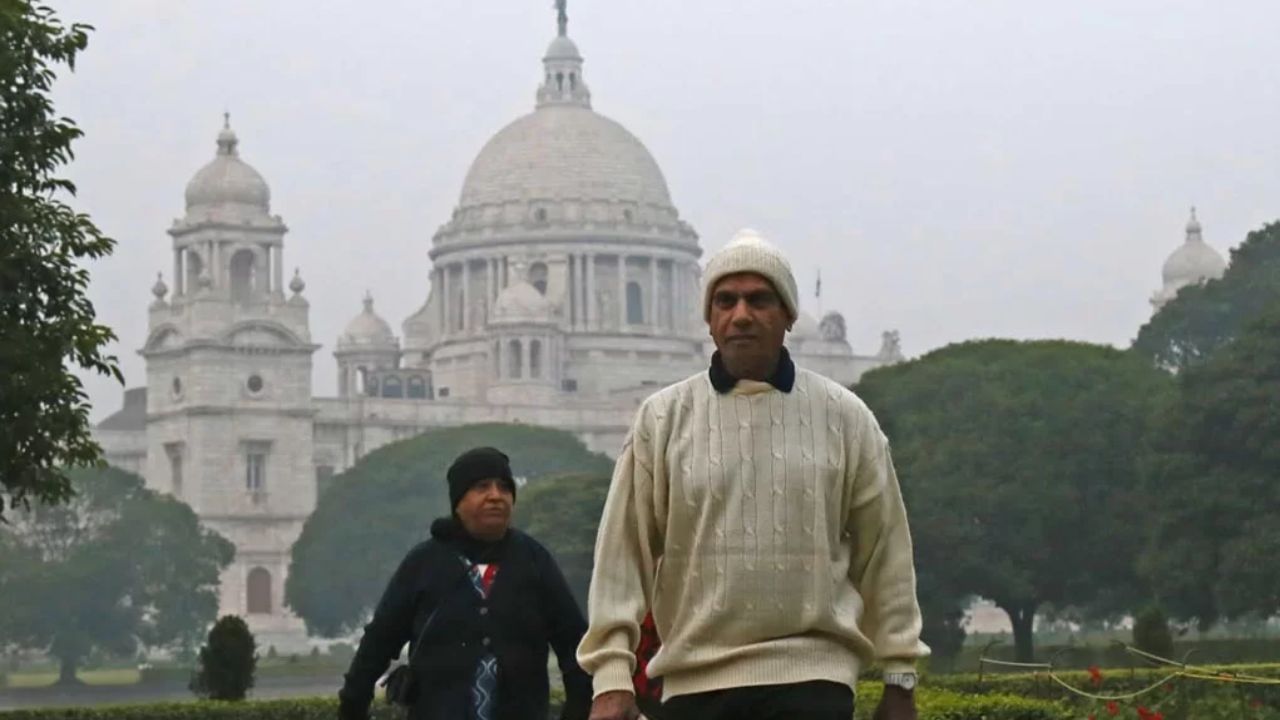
(228, 180)
(806, 328)
(1194, 262)
(521, 302)
(562, 48)
(367, 330)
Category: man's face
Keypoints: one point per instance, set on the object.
(748, 323)
(485, 509)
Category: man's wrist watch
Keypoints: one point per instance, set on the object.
(904, 680)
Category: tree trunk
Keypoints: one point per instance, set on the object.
(67, 671)
(1022, 618)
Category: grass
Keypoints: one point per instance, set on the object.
(120, 676)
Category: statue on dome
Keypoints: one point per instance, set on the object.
(562, 16)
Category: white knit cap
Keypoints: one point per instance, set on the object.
(748, 252)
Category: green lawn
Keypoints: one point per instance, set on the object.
(121, 676)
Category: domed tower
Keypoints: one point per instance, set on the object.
(1192, 264)
(366, 346)
(526, 345)
(228, 357)
(579, 201)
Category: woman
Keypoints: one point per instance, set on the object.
(479, 603)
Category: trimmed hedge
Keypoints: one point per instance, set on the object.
(933, 704)
(1203, 652)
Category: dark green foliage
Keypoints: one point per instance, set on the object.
(117, 566)
(563, 513)
(1213, 483)
(384, 505)
(227, 661)
(1019, 466)
(46, 320)
(1151, 632)
(1204, 318)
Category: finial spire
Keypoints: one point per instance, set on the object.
(226, 120)
(562, 16)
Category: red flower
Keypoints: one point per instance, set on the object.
(1095, 675)
(1255, 703)
(1146, 714)
(1112, 707)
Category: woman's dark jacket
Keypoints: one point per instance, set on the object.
(529, 607)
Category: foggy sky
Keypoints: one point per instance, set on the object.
(959, 170)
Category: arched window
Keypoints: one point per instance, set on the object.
(538, 276)
(259, 592)
(535, 359)
(244, 275)
(573, 81)
(635, 304)
(392, 387)
(560, 81)
(514, 360)
(417, 387)
(194, 266)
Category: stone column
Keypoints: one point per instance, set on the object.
(652, 319)
(491, 283)
(444, 299)
(592, 320)
(278, 268)
(466, 295)
(179, 274)
(622, 291)
(526, 366)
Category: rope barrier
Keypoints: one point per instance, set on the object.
(1178, 670)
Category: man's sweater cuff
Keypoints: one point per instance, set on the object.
(612, 676)
(899, 666)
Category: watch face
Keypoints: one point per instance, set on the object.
(906, 681)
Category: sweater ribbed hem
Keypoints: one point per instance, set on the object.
(779, 668)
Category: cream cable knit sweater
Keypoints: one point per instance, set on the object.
(767, 532)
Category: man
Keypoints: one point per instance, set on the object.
(755, 509)
(479, 602)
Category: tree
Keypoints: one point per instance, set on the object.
(227, 661)
(1151, 632)
(563, 513)
(116, 566)
(46, 320)
(1204, 318)
(384, 505)
(1018, 462)
(1215, 533)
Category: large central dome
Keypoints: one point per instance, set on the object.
(564, 152)
(563, 170)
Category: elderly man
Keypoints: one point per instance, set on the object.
(755, 509)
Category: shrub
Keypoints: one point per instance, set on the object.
(1151, 632)
(227, 662)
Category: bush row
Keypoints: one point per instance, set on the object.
(934, 704)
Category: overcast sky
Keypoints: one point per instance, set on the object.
(957, 169)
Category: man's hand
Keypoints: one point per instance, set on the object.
(617, 705)
(897, 704)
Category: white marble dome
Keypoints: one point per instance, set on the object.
(522, 303)
(564, 152)
(366, 330)
(1193, 262)
(805, 328)
(227, 180)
